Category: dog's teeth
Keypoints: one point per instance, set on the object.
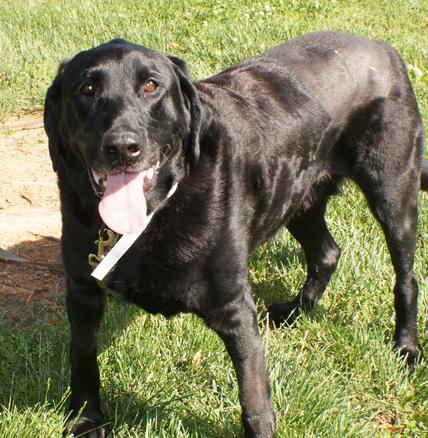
(150, 173)
(97, 177)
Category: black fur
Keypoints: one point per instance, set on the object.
(261, 145)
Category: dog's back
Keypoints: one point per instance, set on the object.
(363, 85)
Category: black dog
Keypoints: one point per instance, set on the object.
(261, 145)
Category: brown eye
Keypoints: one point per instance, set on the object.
(150, 86)
(87, 89)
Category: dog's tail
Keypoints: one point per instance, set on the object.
(424, 175)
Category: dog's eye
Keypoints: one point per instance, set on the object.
(87, 89)
(150, 86)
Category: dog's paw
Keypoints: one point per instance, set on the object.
(407, 344)
(283, 313)
(410, 352)
(84, 427)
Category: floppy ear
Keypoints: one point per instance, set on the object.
(51, 117)
(192, 147)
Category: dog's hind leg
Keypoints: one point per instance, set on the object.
(386, 141)
(322, 255)
(393, 202)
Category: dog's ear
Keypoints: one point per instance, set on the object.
(182, 65)
(51, 117)
(192, 147)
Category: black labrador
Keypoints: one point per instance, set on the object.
(261, 145)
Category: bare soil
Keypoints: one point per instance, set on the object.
(30, 222)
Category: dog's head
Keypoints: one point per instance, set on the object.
(130, 113)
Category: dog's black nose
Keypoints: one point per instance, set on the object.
(123, 146)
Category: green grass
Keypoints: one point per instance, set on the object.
(334, 374)
(36, 35)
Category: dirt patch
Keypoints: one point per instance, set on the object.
(30, 222)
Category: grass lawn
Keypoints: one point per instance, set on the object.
(334, 374)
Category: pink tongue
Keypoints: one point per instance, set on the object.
(123, 207)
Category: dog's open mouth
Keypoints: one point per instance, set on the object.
(123, 206)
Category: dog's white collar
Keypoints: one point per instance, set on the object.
(122, 245)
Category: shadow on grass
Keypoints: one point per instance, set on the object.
(137, 412)
(274, 288)
(34, 333)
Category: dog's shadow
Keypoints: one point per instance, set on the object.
(135, 410)
(34, 333)
(275, 260)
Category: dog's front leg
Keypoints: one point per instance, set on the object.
(85, 307)
(236, 323)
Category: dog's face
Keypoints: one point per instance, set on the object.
(128, 112)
